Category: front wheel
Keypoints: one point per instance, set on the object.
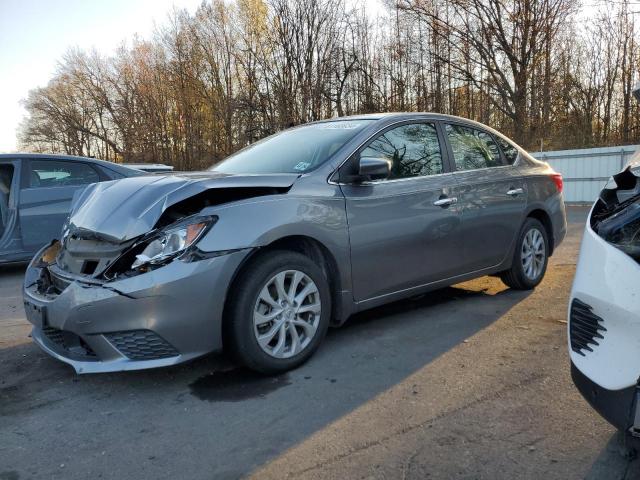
(279, 312)
(530, 257)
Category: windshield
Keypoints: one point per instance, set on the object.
(297, 150)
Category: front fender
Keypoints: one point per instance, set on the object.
(259, 222)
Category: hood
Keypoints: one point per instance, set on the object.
(124, 209)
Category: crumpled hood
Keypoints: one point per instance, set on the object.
(124, 209)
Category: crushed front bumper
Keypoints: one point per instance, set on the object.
(163, 317)
(604, 331)
(607, 281)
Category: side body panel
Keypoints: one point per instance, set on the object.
(493, 199)
(542, 195)
(311, 209)
(399, 238)
(491, 217)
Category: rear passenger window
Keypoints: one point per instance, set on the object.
(413, 149)
(56, 173)
(508, 149)
(472, 148)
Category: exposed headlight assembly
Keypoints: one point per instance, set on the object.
(622, 230)
(172, 241)
(616, 215)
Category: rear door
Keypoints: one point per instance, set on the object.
(47, 188)
(403, 231)
(491, 192)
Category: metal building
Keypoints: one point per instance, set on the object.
(586, 171)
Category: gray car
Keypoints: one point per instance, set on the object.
(35, 197)
(261, 254)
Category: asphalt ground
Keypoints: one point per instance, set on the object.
(468, 382)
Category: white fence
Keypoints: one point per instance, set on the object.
(586, 171)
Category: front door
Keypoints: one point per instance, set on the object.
(404, 231)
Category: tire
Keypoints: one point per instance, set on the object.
(518, 276)
(259, 308)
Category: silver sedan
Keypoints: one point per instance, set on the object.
(261, 254)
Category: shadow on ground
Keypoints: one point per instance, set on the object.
(616, 461)
(209, 418)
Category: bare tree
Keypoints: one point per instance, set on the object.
(235, 71)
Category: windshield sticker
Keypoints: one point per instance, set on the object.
(301, 166)
(340, 125)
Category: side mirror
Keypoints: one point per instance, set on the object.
(374, 168)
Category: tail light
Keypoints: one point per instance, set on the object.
(557, 179)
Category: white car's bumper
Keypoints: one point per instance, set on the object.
(608, 280)
(604, 328)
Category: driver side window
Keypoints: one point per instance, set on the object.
(413, 149)
(55, 173)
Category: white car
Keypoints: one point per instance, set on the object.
(604, 309)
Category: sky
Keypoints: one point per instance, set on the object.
(35, 34)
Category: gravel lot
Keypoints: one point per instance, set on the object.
(467, 382)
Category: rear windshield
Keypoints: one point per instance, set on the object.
(297, 150)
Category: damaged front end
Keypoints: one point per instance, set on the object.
(127, 286)
(117, 230)
(140, 311)
(604, 313)
(616, 215)
(89, 257)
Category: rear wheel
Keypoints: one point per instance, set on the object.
(530, 257)
(279, 312)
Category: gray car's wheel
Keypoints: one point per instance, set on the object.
(530, 257)
(278, 313)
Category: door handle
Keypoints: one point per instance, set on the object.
(445, 202)
(515, 191)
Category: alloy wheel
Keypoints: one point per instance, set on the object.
(533, 254)
(287, 314)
